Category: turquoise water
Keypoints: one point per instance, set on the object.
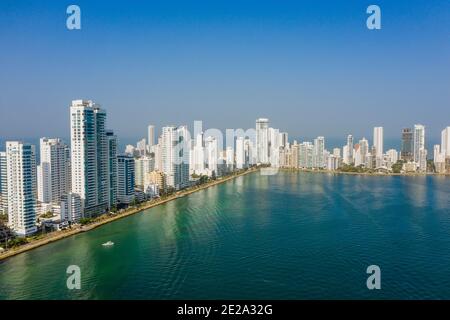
(287, 236)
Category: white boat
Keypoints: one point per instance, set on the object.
(108, 244)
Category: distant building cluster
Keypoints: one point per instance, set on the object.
(91, 177)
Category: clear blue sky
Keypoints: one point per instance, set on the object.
(312, 67)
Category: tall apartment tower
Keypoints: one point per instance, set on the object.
(419, 141)
(3, 184)
(175, 156)
(262, 141)
(125, 179)
(112, 168)
(240, 153)
(89, 146)
(378, 141)
(318, 153)
(21, 180)
(54, 172)
(349, 159)
(407, 148)
(445, 142)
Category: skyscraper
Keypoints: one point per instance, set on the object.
(90, 165)
(112, 168)
(319, 149)
(198, 156)
(378, 141)
(445, 142)
(407, 148)
(3, 184)
(212, 155)
(262, 141)
(175, 156)
(419, 141)
(240, 153)
(349, 150)
(71, 207)
(21, 180)
(363, 150)
(142, 166)
(125, 179)
(54, 172)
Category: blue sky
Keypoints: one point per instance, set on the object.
(312, 67)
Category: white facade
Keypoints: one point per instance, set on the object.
(212, 155)
(392, 157)
(419, 141)
(71, 207)
(348, 157)
(21, 180)
(230, 158)
(445, 142)
(378, 141)
(197, 165)
(175, 156)
(240, 153)
(318, 155)
(142, 166)
(423, 160)
(141, 148)
(364, 150)
(54, 172)
(89, 148)
(3, 184)
(262, 141)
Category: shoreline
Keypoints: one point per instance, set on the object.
(375, 174)
(59, 235)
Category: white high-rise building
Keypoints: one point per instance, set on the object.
(142, 166)
(3, 184)
(230, 158)
(240, 153)
(141, 147)
(437, 154)
(392, 156)
(112, 168)
(445, 142)
(274, 146)
(422, 160)
(349, 151)
(198, 156)
(151, 136)
(337, 152)
(262, 141)
(378, 141)
(318, 155)
(346, 154)
(71, 207)
(364, 150)
(89, 148)
(21, 180)
(419, 141)
(175, 156)
(54, 172)
(212, 155)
